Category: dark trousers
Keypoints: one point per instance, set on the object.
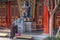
(13, 31)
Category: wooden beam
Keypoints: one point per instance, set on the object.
(34, 8)
(18, 1)
(35, 12)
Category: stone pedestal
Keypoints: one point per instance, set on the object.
(28, 26)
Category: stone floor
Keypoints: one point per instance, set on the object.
(3, 38)
(36, 35)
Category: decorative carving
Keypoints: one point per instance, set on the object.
(12, 16)
(58, 22)
(27, 8)
(12, 20)
(3, 16)
(0, 16)
(4, 20)
(0, 6)
(0, 20)
(39, 11)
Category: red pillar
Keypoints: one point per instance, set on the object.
(8, 14)
(46, 20)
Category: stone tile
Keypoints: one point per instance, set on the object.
(2, 38)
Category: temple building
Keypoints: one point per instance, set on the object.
(37, 12)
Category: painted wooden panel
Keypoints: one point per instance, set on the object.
(0, 11)
(23, 8)
(57, 17)
(3, 11)
(38, 17)
(57, 20)
(39, 11)
(14, 12)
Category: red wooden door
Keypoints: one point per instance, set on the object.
(8, 13)
(14, 12)
(57, 19)
(3, 11)
(39, 14)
